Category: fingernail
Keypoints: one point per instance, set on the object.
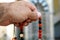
(39, 14)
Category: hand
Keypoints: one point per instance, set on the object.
(19, 12)
(14, 38)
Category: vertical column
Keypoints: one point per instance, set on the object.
(47, 21)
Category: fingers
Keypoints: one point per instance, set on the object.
(29, 21)
(31, 6)
(25, 23)
(14, 38)
(33, 16)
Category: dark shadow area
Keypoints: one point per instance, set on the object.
(57, 30)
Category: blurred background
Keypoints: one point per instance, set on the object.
(47, 27)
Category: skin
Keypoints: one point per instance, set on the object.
(14, 38)
(17, 12)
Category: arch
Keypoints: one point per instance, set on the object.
(43, 3)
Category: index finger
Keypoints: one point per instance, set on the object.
(31, 6)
